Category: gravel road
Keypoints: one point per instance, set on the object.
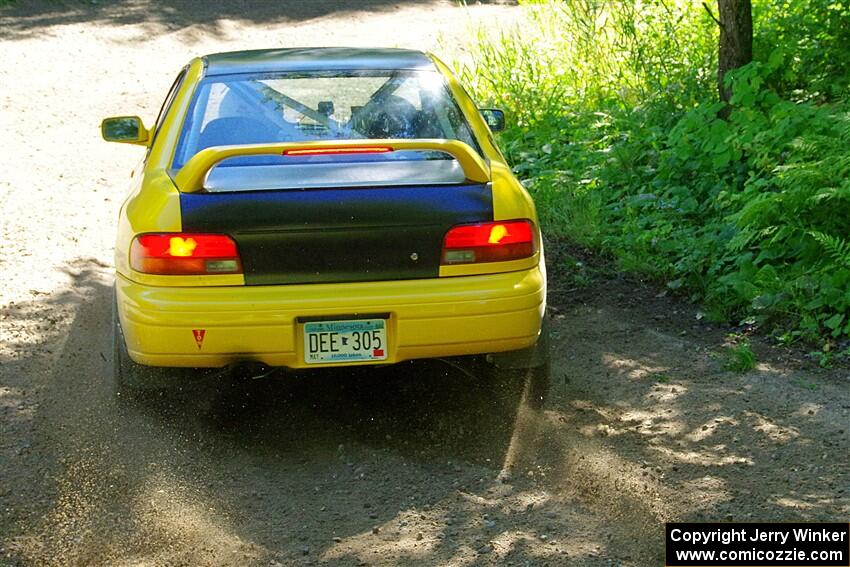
(418, 464)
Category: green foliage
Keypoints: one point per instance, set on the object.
(615, 131)
(826, 356)
(739, 357)
(814, 35)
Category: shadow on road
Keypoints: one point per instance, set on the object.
(25, 19)
(421, 409)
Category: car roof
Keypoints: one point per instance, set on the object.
(315, 59)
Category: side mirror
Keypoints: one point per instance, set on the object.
(494, 118)
(124, 129)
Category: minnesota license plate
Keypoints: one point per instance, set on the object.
(345, 341)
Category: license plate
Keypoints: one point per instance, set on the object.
(345, 341)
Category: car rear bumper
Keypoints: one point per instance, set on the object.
(465, 315)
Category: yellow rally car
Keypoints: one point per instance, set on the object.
(307, 208)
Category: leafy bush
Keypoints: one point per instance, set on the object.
(616, 133)
(814, 34)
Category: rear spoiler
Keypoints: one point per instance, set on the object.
(190, 178)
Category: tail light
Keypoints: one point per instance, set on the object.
(489, 242)
(177, 253)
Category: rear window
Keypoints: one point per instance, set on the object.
(336, 105)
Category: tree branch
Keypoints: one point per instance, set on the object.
(710, 13)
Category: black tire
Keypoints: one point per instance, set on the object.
(131, 379)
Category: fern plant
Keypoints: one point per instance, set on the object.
(837, 248)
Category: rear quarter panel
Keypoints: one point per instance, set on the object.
(510, 199)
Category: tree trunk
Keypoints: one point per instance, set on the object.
(736, 39)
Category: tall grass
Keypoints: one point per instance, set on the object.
(615, 130)
(570, 74)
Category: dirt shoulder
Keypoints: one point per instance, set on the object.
(417, 464)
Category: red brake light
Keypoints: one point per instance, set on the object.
(338, 151)
(177, 253)
(489, 242)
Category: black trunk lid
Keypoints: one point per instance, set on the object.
(338, 234)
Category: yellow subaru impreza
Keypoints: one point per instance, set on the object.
(307, 208)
